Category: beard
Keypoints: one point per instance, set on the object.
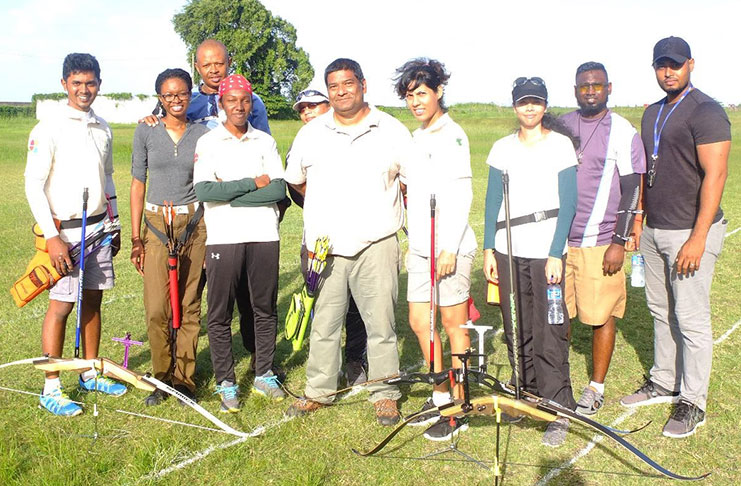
(592, 110)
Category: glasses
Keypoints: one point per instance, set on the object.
(170, 97)
(597, 87)
(307, 93)
(307, 106)
(523, 80)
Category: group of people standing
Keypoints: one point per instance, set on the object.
(576, 193)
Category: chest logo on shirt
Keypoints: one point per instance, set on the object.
(459, 141)
(195, 158)
(215, 256)
(32, 146)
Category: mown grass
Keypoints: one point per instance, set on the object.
(36, 448)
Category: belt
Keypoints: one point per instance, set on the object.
(182, 209)
(535, 217)
(77, 223)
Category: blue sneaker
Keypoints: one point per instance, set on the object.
(229, 399)
(268, 385)
(103, 384)
(58, 403)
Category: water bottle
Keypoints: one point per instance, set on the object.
(555, 304)
(638, 273)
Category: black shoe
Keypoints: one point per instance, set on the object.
(187, 392)
(445, 429)
(157, 397)
(425, 418)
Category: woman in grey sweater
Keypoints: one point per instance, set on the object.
(163, 158)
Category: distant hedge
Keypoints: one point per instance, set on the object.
(17, 111)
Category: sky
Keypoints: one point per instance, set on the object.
(485, 44)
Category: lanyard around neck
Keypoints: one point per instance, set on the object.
(657, 130)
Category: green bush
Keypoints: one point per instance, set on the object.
(16, 111)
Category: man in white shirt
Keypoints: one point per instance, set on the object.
(68, 153)
(347, 163)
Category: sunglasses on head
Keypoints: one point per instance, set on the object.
(523, 80)
(307, 93)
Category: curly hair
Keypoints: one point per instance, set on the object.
(419, 71)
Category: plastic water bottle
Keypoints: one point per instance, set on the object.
(638, 273)
(555, 304)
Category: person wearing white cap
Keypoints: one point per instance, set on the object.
(541, 164)
(310, 104)
(687, 136)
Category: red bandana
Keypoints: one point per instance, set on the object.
(235, 81)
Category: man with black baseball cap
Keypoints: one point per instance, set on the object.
(687, 136)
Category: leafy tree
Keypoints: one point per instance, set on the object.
(262, 46)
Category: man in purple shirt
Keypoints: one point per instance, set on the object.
(611, 161)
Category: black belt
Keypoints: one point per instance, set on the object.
(529, 218)
(77, 223)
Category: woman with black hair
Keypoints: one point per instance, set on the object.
(163, 158)
(441, 166)
(541, 164)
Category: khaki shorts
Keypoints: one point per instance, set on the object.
(453, 289)
(98, 276)
(592, 296)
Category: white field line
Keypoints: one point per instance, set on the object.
(732, 232)
(727, 333)
(583, 452)
(258, 431)
(204, 453)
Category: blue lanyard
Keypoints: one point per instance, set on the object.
(657, 130)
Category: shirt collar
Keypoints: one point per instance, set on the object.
(439, 124)
(225, 134)
(82, 116)
(371, 120)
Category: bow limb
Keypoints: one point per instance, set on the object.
(393, 433)
(114, 370)
(155, 383)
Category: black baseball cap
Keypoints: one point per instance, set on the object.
(674, 48)
(529, 88)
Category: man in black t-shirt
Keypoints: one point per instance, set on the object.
(687, 136)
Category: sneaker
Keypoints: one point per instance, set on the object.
(684, 420)
(229, 399)
(590, 401)
(279, 372)
(386, 412)
(103, 384)
(59, 403)
(155, 398)
(355, 373)
(302, 407)
(446, 428)
(555, 433)
(648, 394)
(425, 418)
(268, 385)
(185, 391)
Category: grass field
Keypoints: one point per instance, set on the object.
(37, 448)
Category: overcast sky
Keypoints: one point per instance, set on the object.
(484, 44)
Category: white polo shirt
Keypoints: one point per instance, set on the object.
(441, 166)
(66, 153)
(533, 186)
(219, 154)
(352, 179)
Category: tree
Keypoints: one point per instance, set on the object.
(262, 46)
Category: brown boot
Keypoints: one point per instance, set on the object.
(386, 412)
(302, 407)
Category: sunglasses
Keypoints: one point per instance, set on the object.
(523, 80)
(597, 87)
(307, 93)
